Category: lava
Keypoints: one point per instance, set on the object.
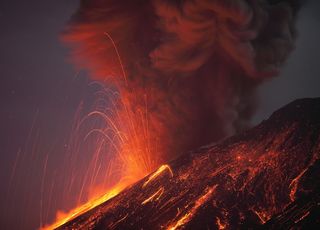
(212, 188)
(188, 216)
(221, 226)
(294, 184)
(159, 171)
(130, 161)
(64, 218)
(155, 196)
(128, 136)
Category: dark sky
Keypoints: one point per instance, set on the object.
(301, 75)
(39, 96)
(40, 93)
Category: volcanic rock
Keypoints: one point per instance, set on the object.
(264, 178)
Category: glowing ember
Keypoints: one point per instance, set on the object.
(263, 216)
(155, 196)
(221, 226)
(160, 170)
(187, 217)
(294, 184)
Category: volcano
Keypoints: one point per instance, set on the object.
(264, 178)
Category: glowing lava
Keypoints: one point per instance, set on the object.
(188, 216)
(214, 188)
(64, 218)
(125, 137)
(94, 202)
(160, 170)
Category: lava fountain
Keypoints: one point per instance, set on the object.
(131, 158)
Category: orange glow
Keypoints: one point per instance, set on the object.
(221, 226)
(157, 173)
(127, 135)
(188, 216)
(132, 160)
(155, 196)
(65, 217)
(294, 185)
(263, 216)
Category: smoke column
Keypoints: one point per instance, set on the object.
(186, 70)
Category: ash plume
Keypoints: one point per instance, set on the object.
(192, 65)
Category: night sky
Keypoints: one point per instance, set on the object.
(301, 75)
(41, 91)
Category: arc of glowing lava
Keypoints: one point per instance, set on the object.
(119, 57)
(159, 171)
(294, 185)
(155, 196)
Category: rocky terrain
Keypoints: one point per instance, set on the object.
(264, 178)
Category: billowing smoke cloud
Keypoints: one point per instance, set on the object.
(193, 65)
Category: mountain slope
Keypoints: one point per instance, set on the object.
(267, 177)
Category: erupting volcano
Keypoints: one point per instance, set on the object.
(183, 74)
(265, 178)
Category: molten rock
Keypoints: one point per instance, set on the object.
(264, 178)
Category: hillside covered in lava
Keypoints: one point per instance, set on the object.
(266, 177)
